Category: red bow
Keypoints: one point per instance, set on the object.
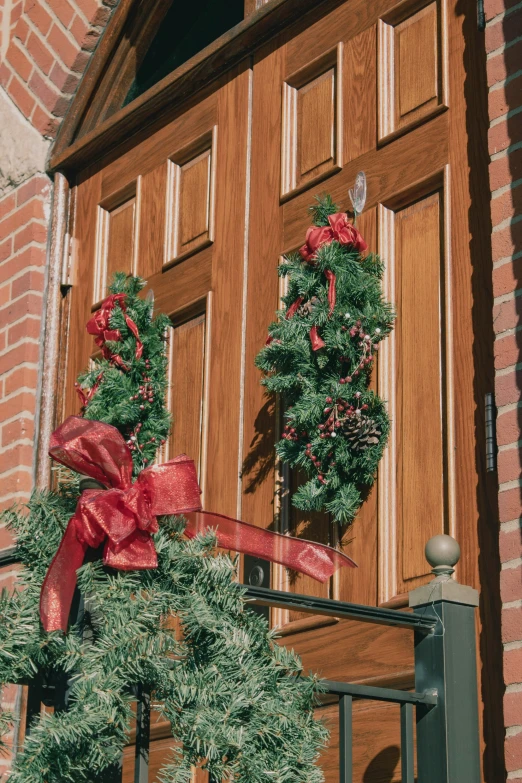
(124, 516)
(340, 230)
(99, 327)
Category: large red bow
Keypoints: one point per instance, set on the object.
(342, 231)
(124, 516)
(99, 327)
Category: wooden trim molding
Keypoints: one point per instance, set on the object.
(73, 150)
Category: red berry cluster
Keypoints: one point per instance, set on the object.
(290, 433)
(146, 390)
(368, 348)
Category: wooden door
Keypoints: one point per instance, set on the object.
(380, 87)
(205, 207)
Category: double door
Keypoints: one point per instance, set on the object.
(205, 208)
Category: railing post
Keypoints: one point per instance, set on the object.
(448, 748)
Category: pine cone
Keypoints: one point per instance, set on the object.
(361, 432)
(306, 308)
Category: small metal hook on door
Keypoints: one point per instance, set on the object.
(358, 194)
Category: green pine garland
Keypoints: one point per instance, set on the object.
(238, 703)
(336, 428)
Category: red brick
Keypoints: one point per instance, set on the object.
(506, 241)
(507, 350)
(65, 81)
(513, 709)
(33, 280)
(5, 294)
(6, 249)
(5, 75)
(499, 138)
(511, 548)
(89, 8)
(79, 30)
(513, 756)
(21, 31)
(20, 403)
(505, 98)
(63, 11)
(20, 481)
(27, 352)
(32, 256)
(21, 96)
(29, 327)
(509, 463)
(80, 62)
(43, 123)
(21, 378)
(507, 205)
(508, 427)
(509, 504)
(7, 205)
(495, 7)
(507, 315)
(32, 210)
(505, 30)
(39, 16)
(511, 625)
(19, 61)
(30, 304)
(45, 93)
(20, 429)
(41, 53)
(2, 341)
(36, 186)
(6, 538)
(505, 169)
(19, 455)
(513, 666)
(34, 232)
(511, 585)
(61, 44)
(507, 278)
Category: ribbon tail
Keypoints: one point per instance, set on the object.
(332, 293)
(307, 557)
(59, 583)
(294, 307)
(317, 342)
(134, 329)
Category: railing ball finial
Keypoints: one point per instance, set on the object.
(442, 553)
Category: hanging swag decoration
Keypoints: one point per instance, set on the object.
(237, 703)
(319, 355)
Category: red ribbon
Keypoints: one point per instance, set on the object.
(339, 230)
(99, 327)
(124, 517)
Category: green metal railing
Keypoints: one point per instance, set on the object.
(438, 721)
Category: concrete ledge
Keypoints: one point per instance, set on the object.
(447, 590)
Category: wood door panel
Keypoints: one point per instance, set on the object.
(186, 389)
(152, 235)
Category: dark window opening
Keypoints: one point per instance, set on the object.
(187, 28)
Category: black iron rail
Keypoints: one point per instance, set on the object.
(329, 607)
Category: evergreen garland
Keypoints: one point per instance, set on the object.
(237, 702)
(336, 427)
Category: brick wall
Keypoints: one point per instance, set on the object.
(45, 46)
(504, 67)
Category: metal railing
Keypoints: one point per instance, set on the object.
(438, 721)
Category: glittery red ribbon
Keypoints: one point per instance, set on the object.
(124, 517)
(99, 327)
